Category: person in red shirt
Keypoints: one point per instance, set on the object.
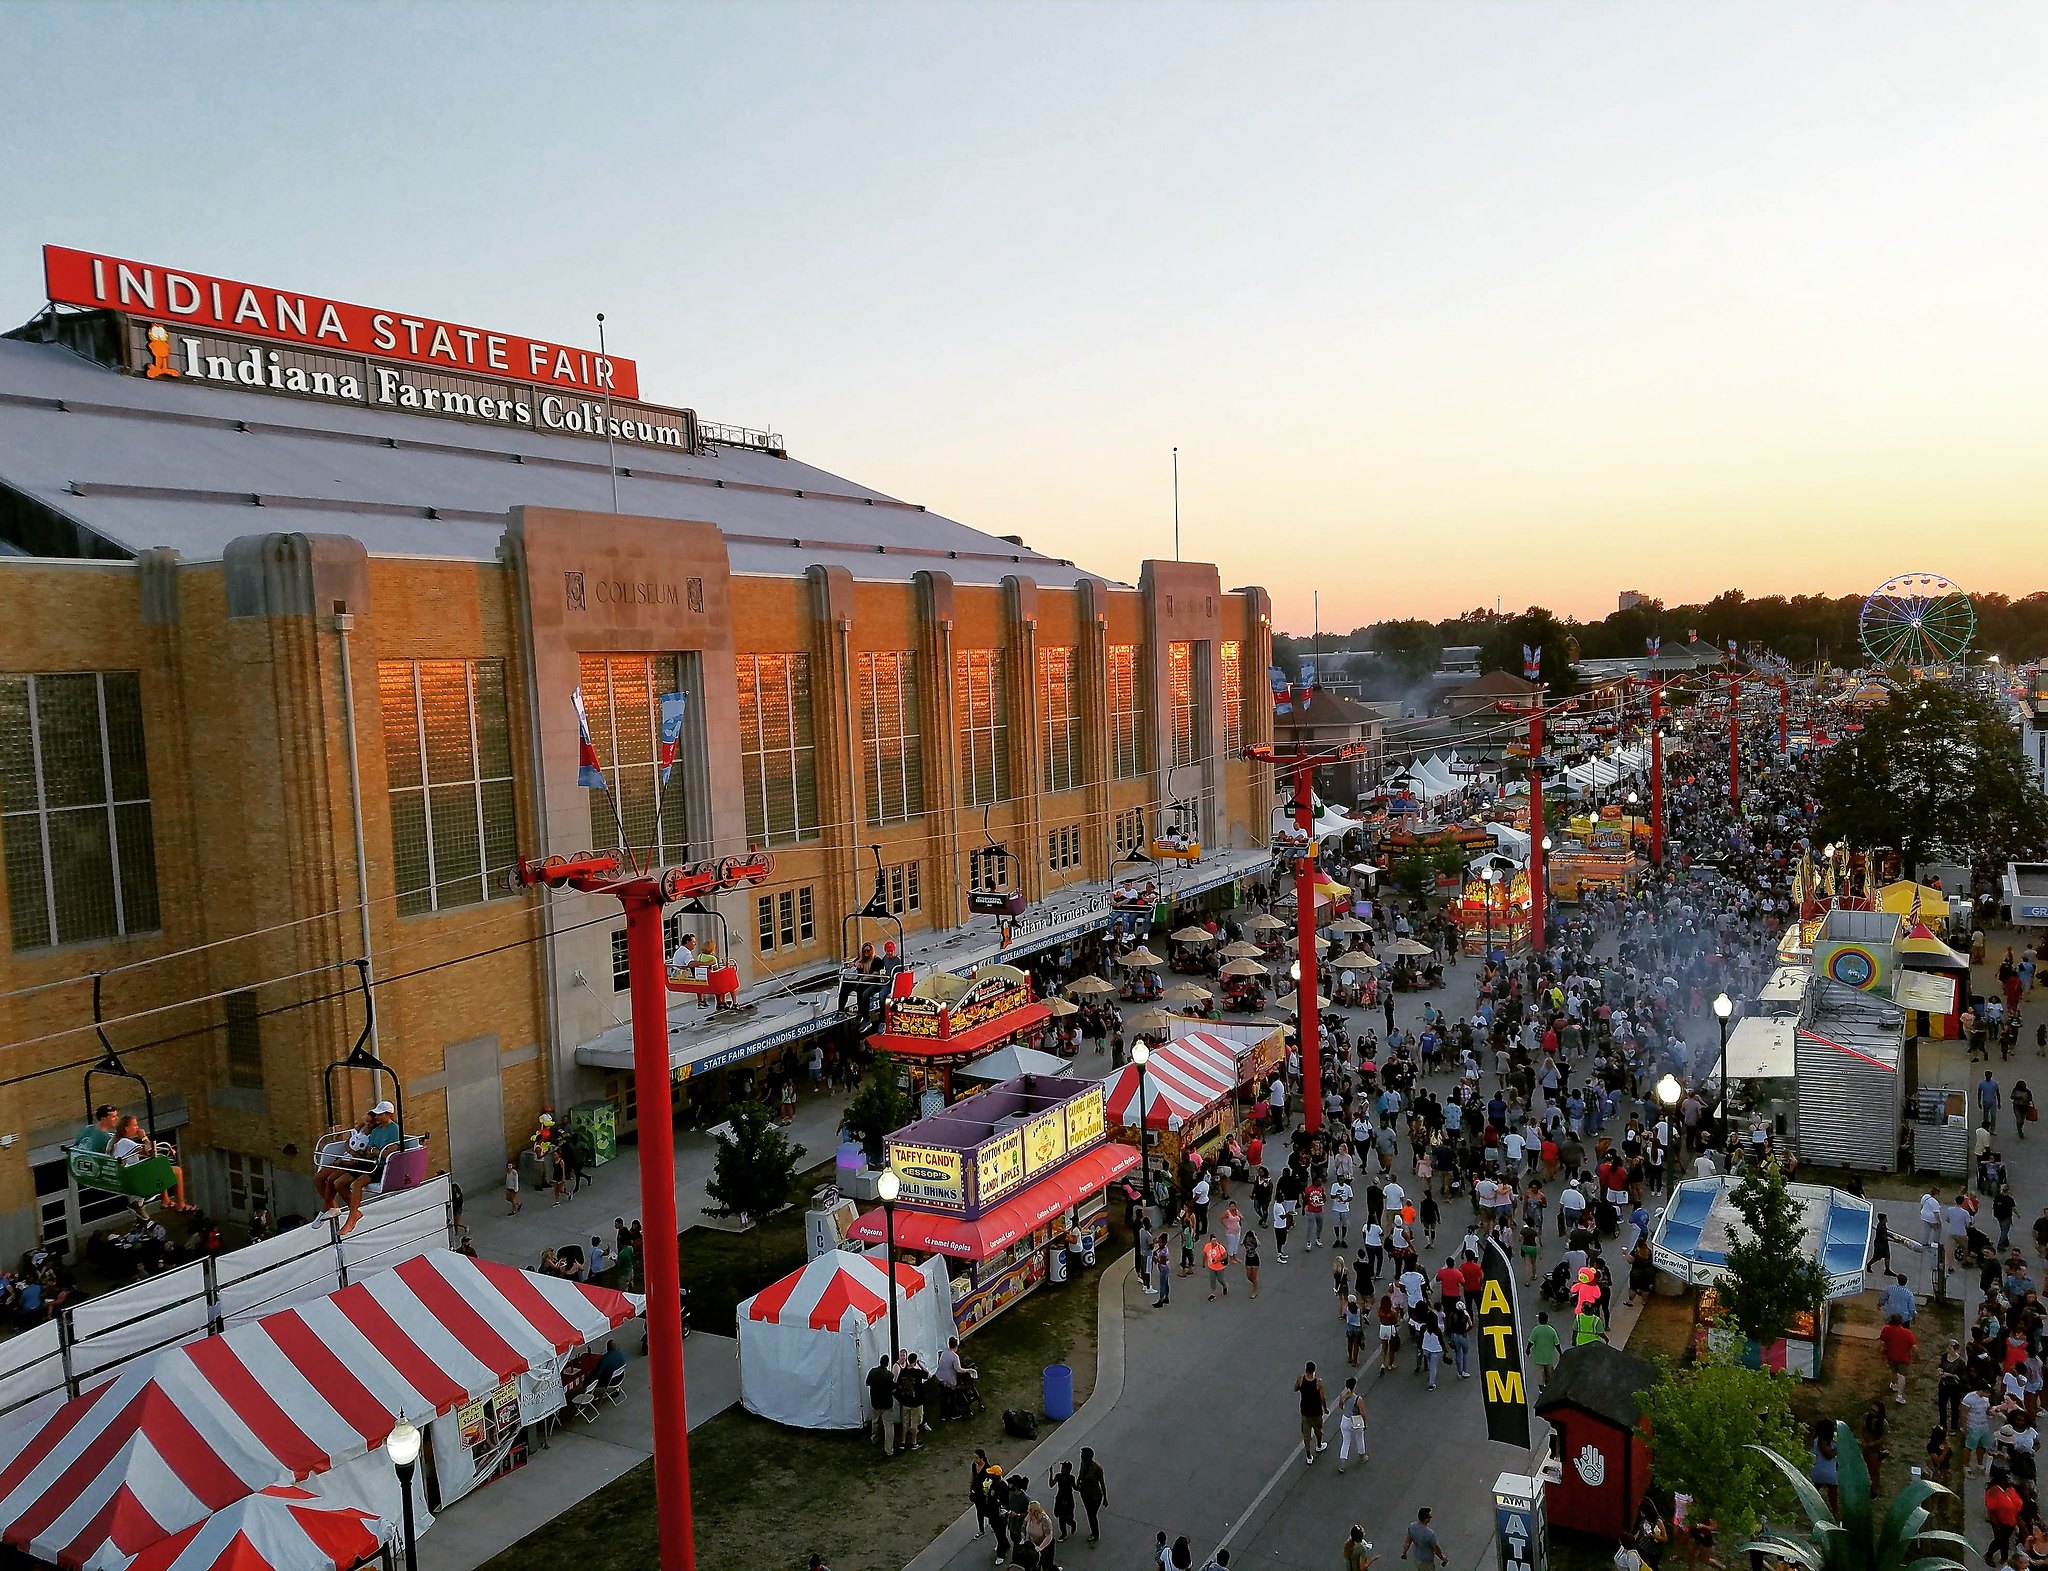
(1312, 1213)
(1898, 1342)
(1472, 1277)
(2002, 1505)
(1450, 1282)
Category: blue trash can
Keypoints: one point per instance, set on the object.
(1059, 1391)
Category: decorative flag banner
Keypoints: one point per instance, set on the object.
(1692, 635)
(1532, 663)
(1652, 645)
(1502, 1389)
(1731, 649)
(671, 731)
(1308, 674)
(1282, 693)
(587, 772)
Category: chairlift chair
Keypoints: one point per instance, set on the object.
(851, 931)
(92, 1168)
(717, 980)
(402, 1166)
(1005, 899)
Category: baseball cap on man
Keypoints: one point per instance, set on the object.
(382, 1107)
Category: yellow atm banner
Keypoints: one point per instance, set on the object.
(1503, 1389)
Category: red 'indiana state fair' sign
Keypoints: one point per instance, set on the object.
(174, 295)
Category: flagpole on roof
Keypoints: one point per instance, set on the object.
(611, 449)
(1176, 504)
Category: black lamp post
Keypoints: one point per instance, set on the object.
(402, 1445)
(1487, 875)
(887, 1188)
(1723, 1009)
(1140, 1052)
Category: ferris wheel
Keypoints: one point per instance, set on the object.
(1916, 619)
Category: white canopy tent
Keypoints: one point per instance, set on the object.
(808, 1341)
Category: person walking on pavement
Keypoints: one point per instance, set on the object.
(1358, 1553)
(1145, 1256)
(1543, 1347)
(1351, 1424)
(1214, 1259)
(1251, 1262)
(1063, 1489)
(1988, 1098)
(882, 1402)
(1421, 1547)
(2022, 1108)
(1093, 1488)
(982, 1479)
(1315, 1403)
(1162, 1272)
(1283, 1215)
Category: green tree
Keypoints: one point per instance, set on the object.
(753, 1174)
(1418, 872)
(1772, 1277)
(1858, 1539)
(879, 1108)
(1702, 1423)
(1934, 770)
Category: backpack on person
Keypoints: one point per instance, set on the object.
(1020, 1423)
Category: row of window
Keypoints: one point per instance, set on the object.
(75, 814)
(1063, 848)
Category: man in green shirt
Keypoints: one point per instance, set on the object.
(99, 1134)
(1589, 1328)
(1543, 1347)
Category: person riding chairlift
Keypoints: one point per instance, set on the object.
(133, 1144)
(368, 1146)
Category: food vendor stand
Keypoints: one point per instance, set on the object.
(1691, 1242)
(1000, 1181)
(1571, 873)
(945, 1021)
(1505, 925)
(1192, 1086)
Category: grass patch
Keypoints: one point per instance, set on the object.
(765, 1496)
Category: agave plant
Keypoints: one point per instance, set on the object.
(1858, 1540)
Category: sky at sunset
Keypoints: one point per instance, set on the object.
(1441, 303)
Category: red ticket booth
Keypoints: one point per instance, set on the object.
(1591, 1403)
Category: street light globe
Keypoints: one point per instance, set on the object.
(1294, 972)
(1140, 1053)
(402, 1445)
(1548, 844)
(1633, 799)
(888, 1186)
(1723, 1007)
(1669, 1090)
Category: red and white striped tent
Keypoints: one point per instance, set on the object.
(1183, 1078)
(808, 1341)
(282, 1529)
(174, 1438)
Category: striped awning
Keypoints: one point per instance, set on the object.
(172, 1439)
(1184, 1077)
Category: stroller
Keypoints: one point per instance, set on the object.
(1556, 1285)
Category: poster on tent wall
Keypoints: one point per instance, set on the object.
(478, 1441)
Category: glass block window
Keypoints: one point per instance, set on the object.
(1231, 678)
(1059, 703)
(448, 758)
(1126, 739)
(1185, 702)
(892, 756)
(778, 750)
(245, 1040)
(74, 808)
(622, 961)
(984, 722)
(622, 697)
